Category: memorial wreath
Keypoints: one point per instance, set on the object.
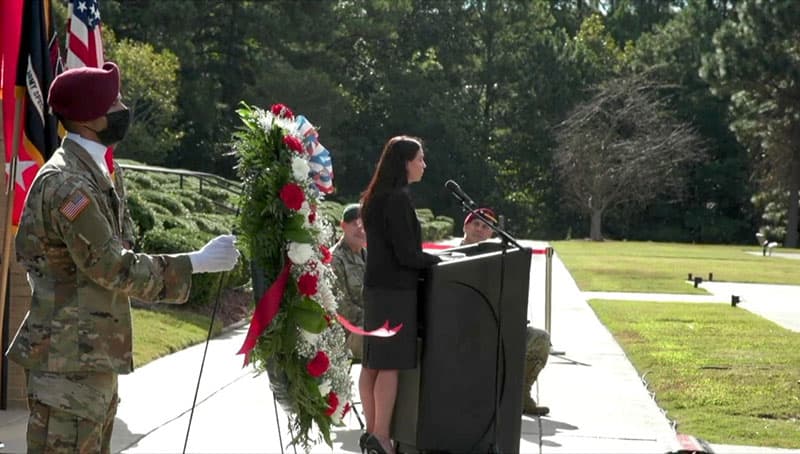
(294, 334)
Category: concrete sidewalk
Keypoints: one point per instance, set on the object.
(598, 402)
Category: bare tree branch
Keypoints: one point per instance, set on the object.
(623, 146)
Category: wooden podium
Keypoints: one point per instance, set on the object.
(448, 403)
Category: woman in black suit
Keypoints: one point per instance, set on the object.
(394, 263)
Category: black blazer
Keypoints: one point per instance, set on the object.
(394, 239)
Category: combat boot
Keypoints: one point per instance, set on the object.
(530, 408)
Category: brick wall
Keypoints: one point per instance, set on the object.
(19, 302)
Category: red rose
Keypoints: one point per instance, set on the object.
(312, 217)
(346, 409)
(333, 402)
(307, 284)
(317, 366)
(293, 143)
(292, 196)
(280, 110)
(326, 254)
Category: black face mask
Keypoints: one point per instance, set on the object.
(118, 123)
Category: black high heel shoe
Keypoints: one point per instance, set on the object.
(373, 446)
(362, 441)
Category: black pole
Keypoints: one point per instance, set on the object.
(203, 362)
(495, 447)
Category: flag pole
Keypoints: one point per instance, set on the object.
(12, 180)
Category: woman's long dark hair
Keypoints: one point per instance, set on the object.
(390, 172)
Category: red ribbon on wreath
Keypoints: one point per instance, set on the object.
(270, 303)
(383, 331)
(267, 308)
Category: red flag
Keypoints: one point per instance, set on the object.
(85, 45)
(11, 25)
(36, 65)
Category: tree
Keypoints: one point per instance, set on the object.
(628, 19)
(150, 90)
(257, 52)
(755, 65)
(718, 209)
(622, 147)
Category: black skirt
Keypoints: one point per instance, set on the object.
(395, 306)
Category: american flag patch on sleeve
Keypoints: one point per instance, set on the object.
(74, 205)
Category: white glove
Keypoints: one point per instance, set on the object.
(219, 254)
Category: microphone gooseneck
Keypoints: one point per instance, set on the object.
(459, 193)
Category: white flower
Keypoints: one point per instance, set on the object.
(336, 417)
(300, 253)
(325, 232)
(309, 337)
(284, 123)
(326, 297)
(325, 387)
(305, 209)
(264, 120)
(300, 169)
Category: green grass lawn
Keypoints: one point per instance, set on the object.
(724, 374)
(632, 266)
(159, 332)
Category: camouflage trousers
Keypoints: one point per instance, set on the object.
(537, 349)
(71, 412)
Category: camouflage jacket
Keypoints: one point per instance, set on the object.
(349, 267)
(74, 240)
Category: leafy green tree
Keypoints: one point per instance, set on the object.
(401, 73)
(718, 208)
(755, 64)
(627, 20)
(518, 79)
(150, 90)
(483, 82)
(772, 205)
(258, 52)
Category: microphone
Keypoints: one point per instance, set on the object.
(459, 193)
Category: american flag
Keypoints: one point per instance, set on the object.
(320, 158)
(77, 202)
(84, 44)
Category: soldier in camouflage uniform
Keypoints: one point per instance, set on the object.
(537, 340)
(349, 264)
(74, 239)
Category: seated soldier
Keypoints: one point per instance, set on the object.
(349, 264)
(476, 230)
(538, 341)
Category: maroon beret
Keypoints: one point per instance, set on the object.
(83, 94)
(486, 212)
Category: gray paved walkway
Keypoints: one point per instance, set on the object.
(598, 402)
(785, 255)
